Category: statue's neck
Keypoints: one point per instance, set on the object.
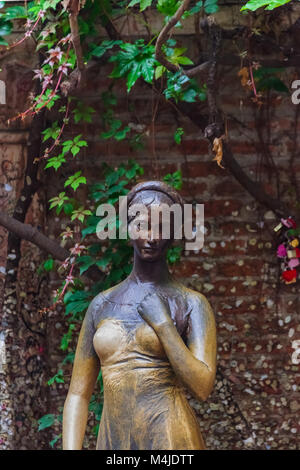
(156, 272)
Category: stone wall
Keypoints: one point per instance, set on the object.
(255, 399)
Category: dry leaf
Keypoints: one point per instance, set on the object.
(244, 74)
(218, 149)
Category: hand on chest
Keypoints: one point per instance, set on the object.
(122, 332)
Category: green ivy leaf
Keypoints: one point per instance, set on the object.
(55, 440)
(75, 180)
(83, 113)
(68, 208)
(5, 27)
(177, 136)
(269, 4)
(159, 71)
(195, 9)
(58, 200)
(51, 132)
(48, 99)
(67, 338)
(46, 421)
(55, 162)
(134, 61)
(99, 51)
(211, 6)
(174, 179)
(49, 264)
(16, 11)
(74, 145)
(69, 358)
(122, 134)
(133, 3)
(267, 78)
(85, 263)
(76, 307)
(174, 254)
(168, 8)
(80, 214)
(145, 4)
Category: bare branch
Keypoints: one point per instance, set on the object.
(33, 235)
(162, 38)
(73, 7)
(253, 187)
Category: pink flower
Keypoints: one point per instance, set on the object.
(281, 251)
(67, 234)
(293, 263)
(289, 222)
(45, 33)
(64, 68)
(55, 56)
(65, 263)
(77, 249)
(69, 279)
(39, 74)
(65, 39)
(47, 81)
(28, 23)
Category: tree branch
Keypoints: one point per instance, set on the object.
(30, 186)
(33, 235)
(37, 238)
(253, 187)
(162, 38)
(79, 75)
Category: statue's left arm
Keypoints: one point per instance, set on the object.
(194, 362)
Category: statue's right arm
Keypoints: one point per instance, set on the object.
(84, 375)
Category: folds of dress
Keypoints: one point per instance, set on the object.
(144, 403)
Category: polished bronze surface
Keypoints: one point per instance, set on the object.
(152, 337)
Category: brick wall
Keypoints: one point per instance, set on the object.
(255, 399)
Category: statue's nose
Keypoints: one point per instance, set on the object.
(151, 241)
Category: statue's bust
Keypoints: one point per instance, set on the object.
(151, 336)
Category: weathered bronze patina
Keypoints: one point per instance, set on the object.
(152, 336)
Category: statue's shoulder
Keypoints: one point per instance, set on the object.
(197, 301)
(99, 303)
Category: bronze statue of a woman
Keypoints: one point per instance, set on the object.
(151, 336)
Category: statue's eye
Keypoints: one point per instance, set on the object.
(142, 225)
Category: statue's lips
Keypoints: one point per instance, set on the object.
(149, 250)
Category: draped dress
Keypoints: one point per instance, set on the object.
(145, 406)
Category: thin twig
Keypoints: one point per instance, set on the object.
(162, 38)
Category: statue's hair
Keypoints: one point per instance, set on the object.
(158, 186)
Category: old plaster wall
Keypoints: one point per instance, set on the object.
(255, 400)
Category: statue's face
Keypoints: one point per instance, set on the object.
(152, 243)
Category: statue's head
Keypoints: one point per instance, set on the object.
(150, 228)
